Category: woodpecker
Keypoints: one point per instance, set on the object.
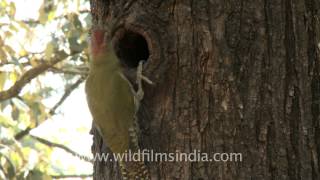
(114, 103)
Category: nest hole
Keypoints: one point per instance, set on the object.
(131, 48)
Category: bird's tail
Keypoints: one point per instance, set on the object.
(134, 170)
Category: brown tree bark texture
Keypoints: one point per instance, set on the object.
(230, 76)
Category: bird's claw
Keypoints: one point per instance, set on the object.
(140, 76)
(139, 80)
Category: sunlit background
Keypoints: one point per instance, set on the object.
(49, 116)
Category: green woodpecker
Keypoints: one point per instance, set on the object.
(113, 103)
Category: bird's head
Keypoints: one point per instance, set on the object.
(100, 44)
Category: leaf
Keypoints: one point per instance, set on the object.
(3, 77)
(74, 45)
(48, 53)
(43, 16)
(30, 98)
(20, 104)
(51, 15)
(8, 34)
(10, 168)
(3, 3)
(73, 39)
(12, 9)
(37, 175)
(37, 113)
(3, 56)
(31, 156)
(23, 25)
(76, 22)
(7, 121)
(13, 27)
(74, 33)
(4, 104)
(42, 115)
(15, 113)
(23, 52)
(34, 62)
(88, 20)
(66, 27)
(46, 91)
(13, 76)
(9, 50)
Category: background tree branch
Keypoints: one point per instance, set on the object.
(22, 133)
(75, 71)
(52, 144)
(29, 75)
(71, 176)
(66, 94)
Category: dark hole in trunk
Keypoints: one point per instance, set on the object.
(131, 48)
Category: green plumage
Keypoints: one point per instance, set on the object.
(112, 103)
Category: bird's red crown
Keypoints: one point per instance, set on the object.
(97, 41)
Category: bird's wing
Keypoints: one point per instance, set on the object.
(121, 112)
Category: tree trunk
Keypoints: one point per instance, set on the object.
(230, 76)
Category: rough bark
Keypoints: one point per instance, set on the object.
(231, 76)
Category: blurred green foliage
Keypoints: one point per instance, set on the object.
(61, 28)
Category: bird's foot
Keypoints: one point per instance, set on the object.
(140, 78)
